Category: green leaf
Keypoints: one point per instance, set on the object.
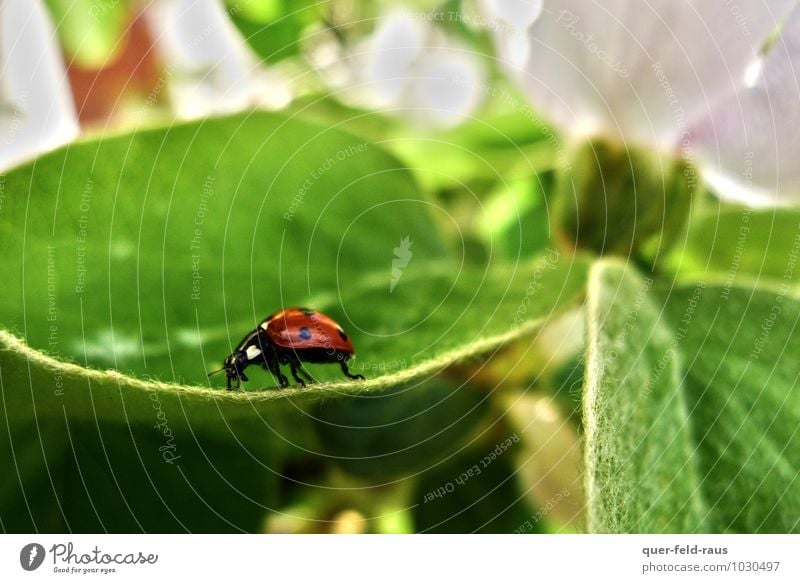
(92, 452)
(155, 253)
(690, 409)
(640, 472)
(134, 263)
(742, 245)
(274, 28)
(515, 219)
(741, 386)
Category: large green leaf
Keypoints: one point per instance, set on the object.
(640, 475)
(134, 263)
(691, 406)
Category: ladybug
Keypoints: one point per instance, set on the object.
(291, 336)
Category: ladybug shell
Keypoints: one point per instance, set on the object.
(303, 328)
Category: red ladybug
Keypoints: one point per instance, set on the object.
(291, 336)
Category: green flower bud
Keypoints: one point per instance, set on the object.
(618, 201)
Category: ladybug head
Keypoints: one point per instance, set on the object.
(233, 366)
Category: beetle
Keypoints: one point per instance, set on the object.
(291, 336)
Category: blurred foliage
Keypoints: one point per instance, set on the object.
(494, 174)
(400, 432)
(472, 492)
(274, 28)
(91, 31)
(741, 245)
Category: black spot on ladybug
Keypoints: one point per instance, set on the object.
(305, 333)
(307, 311)
(342, 334)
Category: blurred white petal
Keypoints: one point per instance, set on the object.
(396, 44)
(510, 22)
(36, 108)
(410, 68)
(518, 13)
(641, 71)
(446, 90)
(749, 147)
(326, 54)
(208, 63)
(273, 89)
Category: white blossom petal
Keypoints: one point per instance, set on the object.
(512, 18)
(749, 148)
(410, 67)
(208, 63)
(395, 45)
(447, 88)
(642, 71)
(517, 13)
(36, 108)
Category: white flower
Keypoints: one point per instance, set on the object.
(715, 81)
(36, 109)
(208, 65)
(409, 67)
(513, 18)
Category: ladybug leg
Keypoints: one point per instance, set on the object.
(272, 366)
(297, 367)
(346, 372)
(294, 366)
(306, 374)
(270, 362)
(284, 382)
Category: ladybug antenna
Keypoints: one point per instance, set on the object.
(216, 371)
